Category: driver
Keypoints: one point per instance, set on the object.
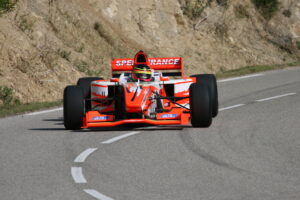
(142, 73)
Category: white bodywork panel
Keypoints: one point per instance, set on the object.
(99, 89)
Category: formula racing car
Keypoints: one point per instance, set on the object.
(142, 90)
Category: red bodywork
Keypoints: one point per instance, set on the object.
(141, 98)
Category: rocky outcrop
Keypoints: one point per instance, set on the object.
(47, 44)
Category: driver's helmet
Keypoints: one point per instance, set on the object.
(142, 72)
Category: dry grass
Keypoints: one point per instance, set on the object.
(254, 69)
(8, 110)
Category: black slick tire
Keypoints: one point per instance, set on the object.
(211, 81)
(200, 105)
(120, 108)
(74, 108)
(85, 84)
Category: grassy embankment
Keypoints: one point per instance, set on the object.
(253, 69)
(13, 106)
(8, 110)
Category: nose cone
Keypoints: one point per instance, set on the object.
(137, 98)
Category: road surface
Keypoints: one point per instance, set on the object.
(251, 151)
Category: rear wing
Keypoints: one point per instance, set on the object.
(172, 66)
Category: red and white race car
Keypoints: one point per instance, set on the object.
(128, 99)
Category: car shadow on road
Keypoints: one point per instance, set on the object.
(134, 127)
(163, 128)
(53, 121)
(60, 119)
(47, 129)
(104, 129)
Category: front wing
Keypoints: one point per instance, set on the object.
(178, 116)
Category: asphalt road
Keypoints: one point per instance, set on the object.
(251, 151)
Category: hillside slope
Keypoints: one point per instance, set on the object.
(48, 44)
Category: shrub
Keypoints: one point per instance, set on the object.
(82, 66)
(6, 5)
(267, 7)
(80, 49)
(94, 72)
(64, 54)
(222, 2)
(241, 12)
(221, 30)
(287, 13)
(6, 95)
(298, 44)
(25, 24)
(194, 8)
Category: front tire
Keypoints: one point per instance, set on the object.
(211, 82)
(200, 105)
(74, 108)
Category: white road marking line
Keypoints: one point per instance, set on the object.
(97, 195)
(77, 175)
(275, 97)
(231, 107)
(238, 78)
(83, 155)
(120, 137)
(45, 111)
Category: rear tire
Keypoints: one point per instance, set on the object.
(211, 82)
(200, 105)
(85, 84)
(74, 109)
(120, 108)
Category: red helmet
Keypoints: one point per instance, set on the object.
(142, 72)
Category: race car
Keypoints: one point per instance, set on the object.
(142, 90)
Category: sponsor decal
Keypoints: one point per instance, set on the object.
(168, 115)
(124, 62)
(167, 61)
(152, 61)
(100, 118)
